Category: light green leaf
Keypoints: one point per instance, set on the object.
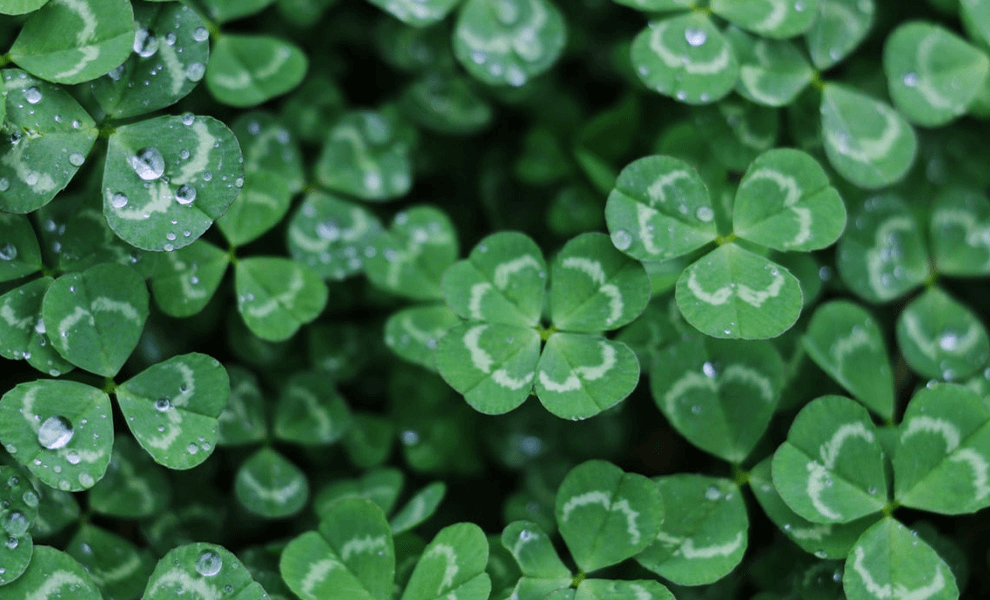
(20, 254)
(942, 463)
(417, 13)
(658, 5)
(503, 280)
(134, 487)
(351, 557)
(734, 293)
(660, 209)
(719, 394)
(277, 296)
(414, 333)
(581, 375)
(686, 57)
(940, 337)
(61, 431)
(243, 419)
(22, 330)
(452, 566)
(704, 531)
(508, 42)
(366, 155)
(769, 18)
(446, 103)
(419, 508)
(830, 469)
(411, 258)
(18, 511)
(43, 153)
(868, 142)
(171, 49)
(846, 342)
(785, 202)
(492, 365)
(606, 515)
(771, 72)
(737, 131)
(976, 16)
(311, 411)
(52, 574)
(20, 7)
(840, 27)
(116, 565)
(889, 561)
(70, 41)
(933, 75)
(172, 408)
(247, 70)
(270, 148)
(270, 486)
(95, 318)
(882, 255)
(168, 178)
(186, 279)
(381, 486)
(535, 554)
(332, 235)
(960, 232)
(606, 589)
(222, 11)
(203, 570)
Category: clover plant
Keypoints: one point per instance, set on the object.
(279, 277)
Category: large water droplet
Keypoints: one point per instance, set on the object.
(55, 432)
(185, 194)
(148, 163)
(695, 37)
(32, 95)
(15, 523)
(208, 563)
(709, 370)
(949, 341)
(145, 43)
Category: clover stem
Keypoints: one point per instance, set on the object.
(232, 254)
(578, 579)
(891, 506)
(109, 386)
(817, 82)
(740, 476)
(726, 239)
(545, 332)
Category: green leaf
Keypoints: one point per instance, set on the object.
(56, 511)
(868, 142)
(351, 557)
(452, 566)
(172, 408)
(882, 255)
(771, 72)
(332, 235)
(719, 394)
(769, 18)
(940, 337)
(20, 254)
(824, 540)
(846, 342)
(18, 511)
(737, 131)
(785, 202)
(168, 178)
(605, 589)
(311, 411)
(381, 486)
(831, 468)
(270, 148)
(942, 461)
(20, 7)
(134, 487)
(22, 330)
(204, 570)
(51, 574)
(420, 507)
(503, 280)
(247, 70)
(87, 240)
(369, 441)
(223, 11)
(417, 13)
(414, 333)
(606, 515)
(734, 293)
(366, 155)
(840, 27)
(243, 419)
(581, 375)
(595, 287)
(97, 316)
(660, 209)
(116, 565)
(960, 232)
(535, 554)
(44, 153)
(889, 561)
(933, 75)
(71, 42)
(686, 57)
(976, 15)
(411, 258)
(704, 531)
(446, 103)
(658, 5)
(277, 296)
(187, 279)
(61, 431)
(508, 42)
(500, 368)
(270, 486)
(171, 48)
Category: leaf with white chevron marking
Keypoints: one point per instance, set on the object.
(20, 254)
(118, 567)
(331, 235)
(420, 507)
(381, 486)
(204, 571)
(607, 589)
(414, 333)
(942, 463)
(840, 27)
(276, 296)
(247, 70)
(975, 15)
(18, 512)
(542, 569)
(737, 131)
(411, 257)
(831, 468)
(606, 515)
(52, 574)
(311, 411)
(134, 487)
(268, 485)
(942, 338)
(960, 232)
(417, 13)
(778, 19)
(187, 279)
(452, 566)
(19, 7)
(22, 329)
(771, 72)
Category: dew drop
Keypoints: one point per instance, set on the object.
(148, 163)
(4, 184)
(55, 432)
(162, 404)
(621, 239)
(15, 523)
(76, 159)
(188, 119)
(32, 95)
(200, 34)
(705, 214)
(117, 73)
(72, 457)
(713, 493)
(8, 251)
(410, 437)
(145, 43)
(195, 71)
(208, 563)
(118, 200)
(709, 370)
(910, 80)
(695, 37)
(192, 448)
(86, 480)
(185, 194)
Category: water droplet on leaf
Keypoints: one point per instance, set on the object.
(208, 563)
(55, 432)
